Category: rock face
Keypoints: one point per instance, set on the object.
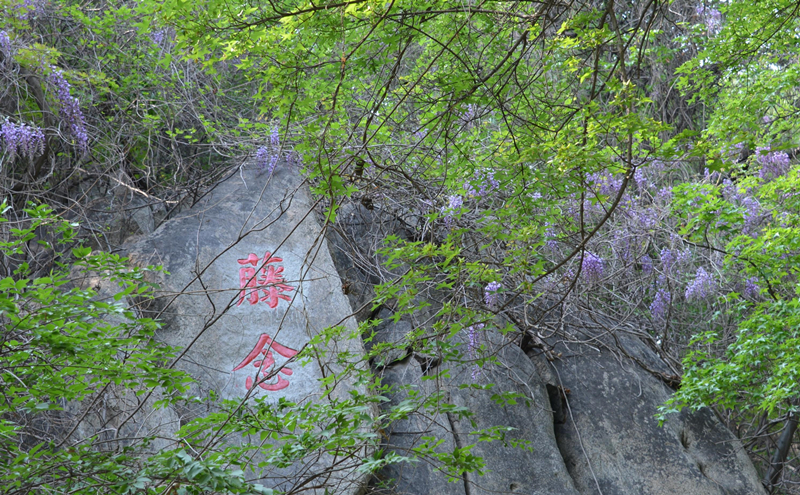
(250, 283)
(534, 467)
(587, 415)
(612, 440)
(108, 416)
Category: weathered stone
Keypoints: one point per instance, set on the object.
(250, 283)
(526, 461)
(391, 335)
(615, 443)
(599, 394)
(535, 465)
(109, 420)
(114, 213)
(421, 426)
(354, 241)
(117, 416)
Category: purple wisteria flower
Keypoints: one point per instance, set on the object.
(455, 202)
(294, 160)
(6, 48)
(29, 9)
(647, 264)
(701, 286)
(485, 181)
(590, 208)
(668, 259)
(592, 266)
(473, 345)
(751, 288)
(640, 179)
(551, 235)
(158, 36)
(275, 138)
(469, 189)
(69, 109)
(491, 294)
(752, 214)
(21, 140)
(267, 157)
(606, 183)
(647, 218)
(684, 256)
(730, 191)
(263, 158)
(469, 114)
(711, 17)
(773, 163)
(660, 305)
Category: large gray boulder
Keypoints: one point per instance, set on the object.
(422, 427)
(526, 460)
(612, 442)
(592, 395)
(250, 282)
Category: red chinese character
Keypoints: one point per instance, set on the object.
(265, 364)
(270, 281)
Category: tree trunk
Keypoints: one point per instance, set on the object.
(779, 457)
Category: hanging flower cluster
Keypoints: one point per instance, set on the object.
(660, 304)
(701, 286)
(6, 48)
(773, 163)
(473, 346)
(592, 267)
(485, 182)
(711, 17)
(454, 204)
(605, 183)
(267, 157)
(21, 140)
(551, 235)
(491, 293)
(30, 9)
(69, 109)
(641, 179)
(647, 264)
(751, 288)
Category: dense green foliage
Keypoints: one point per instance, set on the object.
(636, 159)
(64, 348)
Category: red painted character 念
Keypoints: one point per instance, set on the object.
(264, 347)
(269, 280)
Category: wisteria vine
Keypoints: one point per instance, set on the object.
(69, 108)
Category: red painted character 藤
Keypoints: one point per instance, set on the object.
(264, 348)
(269, 280)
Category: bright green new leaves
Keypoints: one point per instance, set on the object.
(754, 222)
(760, 370)
(64, 345)
(748, 77)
